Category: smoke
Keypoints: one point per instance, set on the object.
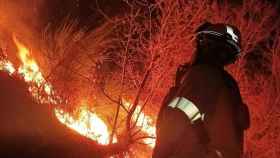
(22, 19)
(19, 15)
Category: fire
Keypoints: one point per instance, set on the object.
(83, 120)
(88, 124)
(7, 66)
(145, 123)
(29, 67)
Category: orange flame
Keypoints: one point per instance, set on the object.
(145, 123)
(7, 66)
(87, 124)
(29, 68)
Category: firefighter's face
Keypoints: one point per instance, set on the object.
(218, 50)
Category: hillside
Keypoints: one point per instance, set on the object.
(32, 130)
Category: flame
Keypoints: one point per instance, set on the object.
(88, 124)
(83, 120)
(29, 68)
(145, 123)
(7, 66)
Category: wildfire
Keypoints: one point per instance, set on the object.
(30, 70)
(7, 66)
(83, 120)
(88, 124)
(145, 123)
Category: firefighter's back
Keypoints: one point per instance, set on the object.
(214, 133)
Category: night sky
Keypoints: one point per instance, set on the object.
(86, 11)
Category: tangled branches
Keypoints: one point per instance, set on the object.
(133, 59)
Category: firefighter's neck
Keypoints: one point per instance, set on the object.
(208, 59)
(212, 64)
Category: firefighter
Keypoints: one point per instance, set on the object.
(203, 115)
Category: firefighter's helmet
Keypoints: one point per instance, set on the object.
(222, 36)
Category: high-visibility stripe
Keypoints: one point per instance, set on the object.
(219, 154)
(187, 107)
(233, 35)
(211, 32)
(233, 43)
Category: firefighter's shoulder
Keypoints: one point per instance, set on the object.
(205, 74)
(203, 85)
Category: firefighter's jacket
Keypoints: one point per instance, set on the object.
(216, 129)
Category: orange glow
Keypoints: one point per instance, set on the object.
(145, 123)
(29, 68)
(87, 124)
(7, 66)
(31, 73)
(85, 121)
